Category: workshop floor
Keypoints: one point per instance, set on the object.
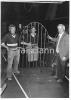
(36, 83)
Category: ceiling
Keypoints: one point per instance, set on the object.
(21, 11)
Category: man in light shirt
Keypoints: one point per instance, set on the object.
(11, 42)
(62, 51)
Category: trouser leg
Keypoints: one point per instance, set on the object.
(10, 62)
(54, 64)
(16, 60)
(60, 68)
(63, 69)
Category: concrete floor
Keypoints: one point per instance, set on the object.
(37, 83)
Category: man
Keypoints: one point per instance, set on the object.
(30, 39)
(34, 47)
(62, 51)
(11, 43)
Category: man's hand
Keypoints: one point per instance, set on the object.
(64, 59)
(49, 37)
(7, 48)
(22, 42)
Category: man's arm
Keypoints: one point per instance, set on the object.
(25, 43)
(52, 39)
(3, 45)
(4, 40)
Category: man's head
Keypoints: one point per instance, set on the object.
(12, 29)
(20, 26)
(25, 30)
(61, 28)
(33, 30)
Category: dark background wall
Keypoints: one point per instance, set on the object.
(49, 14)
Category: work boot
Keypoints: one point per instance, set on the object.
(17, 72)
(59, 80)
(9, 78)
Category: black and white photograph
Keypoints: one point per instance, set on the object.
(34, 49)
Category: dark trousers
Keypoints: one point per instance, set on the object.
(60, 67)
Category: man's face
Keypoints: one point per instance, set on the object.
(12, 30)
(60, 29)
(33, 30)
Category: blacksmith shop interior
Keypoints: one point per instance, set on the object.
(35, 49)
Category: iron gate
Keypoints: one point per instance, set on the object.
(39, 52)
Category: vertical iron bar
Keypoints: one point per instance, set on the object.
(41, 47)
(34, 46)
(26, 48)
(44, 47)
(38, 41)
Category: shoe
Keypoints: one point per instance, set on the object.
(55, 77)
(9, 78)
(17, 72)
(59, 80)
